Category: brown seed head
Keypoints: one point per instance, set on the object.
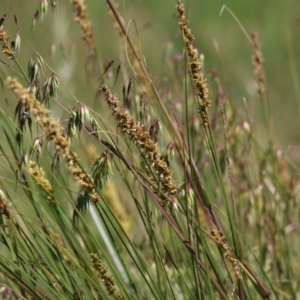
(141, 137)
(195, 64)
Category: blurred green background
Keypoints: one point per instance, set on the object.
(219, 38)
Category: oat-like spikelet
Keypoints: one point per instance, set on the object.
(142, 139)
(257, 62)
(6, 48)
(198, 78)
(50, 89)
(38, 175)
(107, 279)
(54, 132)
(16, 44)
(102, 169)
(81, 16)
(4, 206)
(227, 252)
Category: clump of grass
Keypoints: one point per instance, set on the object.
(136, 200)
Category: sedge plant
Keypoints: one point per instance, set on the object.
(126, 192)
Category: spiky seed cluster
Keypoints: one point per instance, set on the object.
(53, 129)
(221, 241)
(84, 180)
(4, 39)
(257, 62)
(81, 16)
(142, 139)
(4, 206)
(198, 79)
(54, 132)
(107, 279)
(38, 175)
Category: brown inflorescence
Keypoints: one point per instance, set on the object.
(38, 175)
(52, 128)
(258, 61)
(81, 16)
(198, 78)
(107, 279)
(221, 241)
(4, 39)
(54, 132)
(142, 140)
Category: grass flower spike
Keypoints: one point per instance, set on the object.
(143, 141)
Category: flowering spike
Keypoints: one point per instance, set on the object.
(50, 89)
